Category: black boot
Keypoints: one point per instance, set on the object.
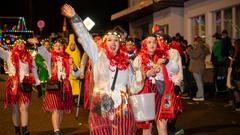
(58, 133)
(25, 131)
(17, 130)
(39, 89)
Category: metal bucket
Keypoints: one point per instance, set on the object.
(143, 106)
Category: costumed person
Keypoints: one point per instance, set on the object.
(58, 97)
(174, 51)
(159, 70)
(75, 54)
(131, 48)
(86, 72)
(22, 76)
(46, 43)
(42, 66)
(110, 112)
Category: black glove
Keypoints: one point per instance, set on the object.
(39, 89)
(177, 90)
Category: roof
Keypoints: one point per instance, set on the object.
(145, 8)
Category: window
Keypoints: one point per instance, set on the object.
(228, 21)
(165, 28)
(237, 27)
(218, 22)
(145, 29)
(198, 26)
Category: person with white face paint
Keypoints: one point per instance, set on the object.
(159, 70)
(22, 76)
(110, 112)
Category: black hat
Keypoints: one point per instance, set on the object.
(224, 32)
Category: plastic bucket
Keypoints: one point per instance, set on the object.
(143, 106)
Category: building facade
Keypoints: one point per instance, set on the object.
(190, 18)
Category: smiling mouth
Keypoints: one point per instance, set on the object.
(113, 47)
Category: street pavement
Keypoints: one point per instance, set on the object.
(199, 118)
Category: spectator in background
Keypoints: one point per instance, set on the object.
(188, 79)
(198, 53)
(217, 49)
(226, 44)
(221, 50)
(234, 75)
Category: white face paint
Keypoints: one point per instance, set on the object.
(113, 43)
(151, 45)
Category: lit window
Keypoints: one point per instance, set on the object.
(237, 27)
(198, 26)
(228, 21)
(218, 22)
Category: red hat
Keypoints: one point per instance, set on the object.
(156, 28)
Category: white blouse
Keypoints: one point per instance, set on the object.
(24, 68)
(103, 72)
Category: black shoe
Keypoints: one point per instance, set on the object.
(58, 133)
(26, 133)
(39, 90)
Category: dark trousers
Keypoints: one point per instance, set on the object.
(189, 82)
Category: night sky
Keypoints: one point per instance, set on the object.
(49, 10)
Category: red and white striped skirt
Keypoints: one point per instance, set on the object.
(53, 101)
(122, 124)
(19, 97)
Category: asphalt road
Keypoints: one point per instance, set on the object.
(199, 118)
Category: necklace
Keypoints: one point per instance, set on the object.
(111, 68)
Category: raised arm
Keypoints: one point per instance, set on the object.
(84, 37)
(42, 51)
(34, 69)
(46, 56)
(4, 54)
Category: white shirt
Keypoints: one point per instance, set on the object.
(103, 72)
(24, 68)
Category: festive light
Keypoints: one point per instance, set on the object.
(7, 37)
(88, 23)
